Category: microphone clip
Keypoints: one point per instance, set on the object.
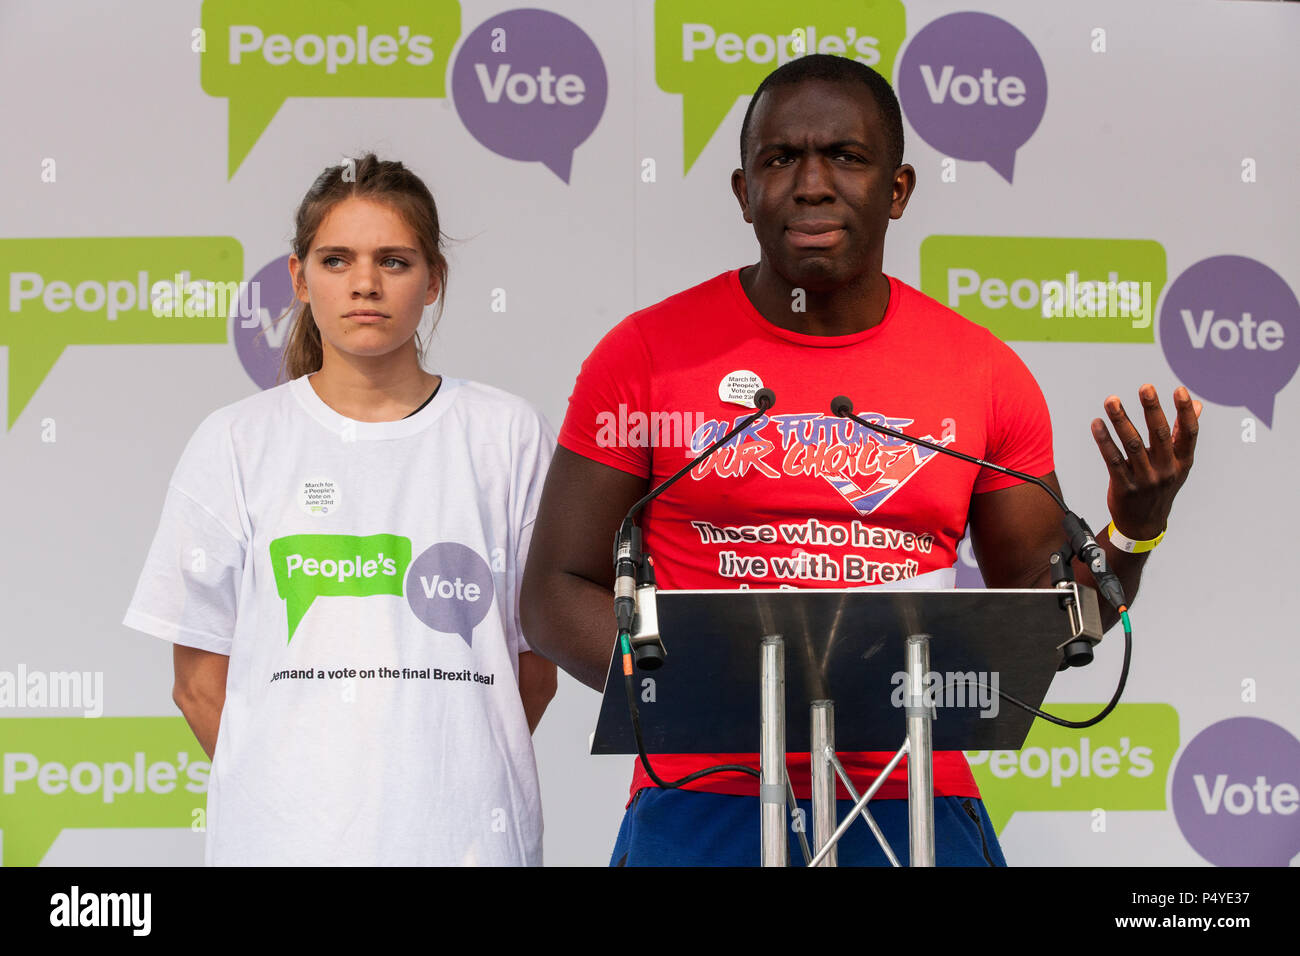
(1085, 621)
(635, 610)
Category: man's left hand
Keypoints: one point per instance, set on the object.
(1143, 485)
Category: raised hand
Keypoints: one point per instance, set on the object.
(1144, 480)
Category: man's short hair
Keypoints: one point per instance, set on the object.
(838, 69)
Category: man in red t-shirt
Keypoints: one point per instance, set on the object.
(803, 498)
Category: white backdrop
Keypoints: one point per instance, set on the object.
(1143, 141)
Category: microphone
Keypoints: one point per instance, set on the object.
(633, 574)
(627, 555)
(1086, 546)
(1077, 531)
(647, 645)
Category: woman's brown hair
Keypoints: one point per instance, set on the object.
(370, 178)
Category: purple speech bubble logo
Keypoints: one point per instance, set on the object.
(530, 85)
(973, 87)
(449, 588)
(1230, 328)
(1236, 793)
(261, 332)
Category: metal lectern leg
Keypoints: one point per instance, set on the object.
(771, 789)
(920, 764)
(823, 778)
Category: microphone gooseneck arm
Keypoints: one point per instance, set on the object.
(764, 399)
(842, 407)
(1082, 541)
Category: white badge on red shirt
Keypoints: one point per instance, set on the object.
(739, 387)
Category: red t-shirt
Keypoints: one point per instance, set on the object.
(650, 397)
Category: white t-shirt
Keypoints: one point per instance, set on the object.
(364, 580)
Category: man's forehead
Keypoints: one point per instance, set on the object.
(816, 113)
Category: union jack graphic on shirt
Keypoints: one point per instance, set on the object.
(895, 472)
(865, 467)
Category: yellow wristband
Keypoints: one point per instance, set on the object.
(1131, 546)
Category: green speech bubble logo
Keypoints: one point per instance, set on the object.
(111, 291)
(259, 54)
(1027, 289)
(308, 566)
(1119, 764)
(713, 53)
(60, 773)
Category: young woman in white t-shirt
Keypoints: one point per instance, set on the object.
(434, 718)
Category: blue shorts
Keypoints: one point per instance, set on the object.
(694, 828)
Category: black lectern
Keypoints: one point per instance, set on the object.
(927, 662)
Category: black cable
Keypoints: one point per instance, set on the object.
(645, 757)
(1061, 721)
(1105, 711)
